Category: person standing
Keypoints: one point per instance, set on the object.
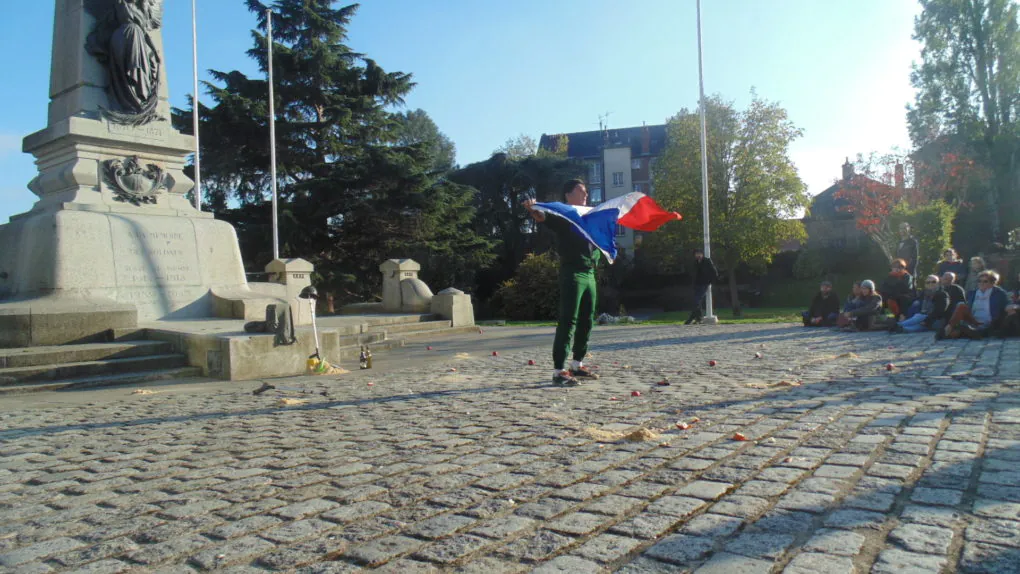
(705, 274)
(578, 259)
(908, 249)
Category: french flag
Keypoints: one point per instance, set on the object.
(598, 224)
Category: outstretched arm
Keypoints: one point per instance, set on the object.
(534, 213)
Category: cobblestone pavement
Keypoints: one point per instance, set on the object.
(489, 469)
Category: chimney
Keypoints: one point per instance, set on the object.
(646, 140)
(848, 170)
(899, 176)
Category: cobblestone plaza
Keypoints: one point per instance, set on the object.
(862, 453)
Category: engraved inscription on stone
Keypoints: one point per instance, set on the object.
(148, 256)
(148, 131)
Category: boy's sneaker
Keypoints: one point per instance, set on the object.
(583, 373)
(562, 379)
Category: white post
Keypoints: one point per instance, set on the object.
(272, 132)
(194, 103)
(709, 317)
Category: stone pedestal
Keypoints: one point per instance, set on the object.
(403, 292)
(112, 231)
(295, 275)
(455, 306)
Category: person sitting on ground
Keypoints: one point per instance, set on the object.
(951, 263)
(970, 282)
(853, 300)
(982, 313)
(864, 316)
(1010, 326)
(934, 303)
(957, 296)
(824, 308)
(898, 289)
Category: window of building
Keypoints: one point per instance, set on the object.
(635, 163)
(595, 172)
(621, 231)
(595, 195)
(617, 178)
(637, 187)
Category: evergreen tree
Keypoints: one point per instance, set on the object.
(352, 193)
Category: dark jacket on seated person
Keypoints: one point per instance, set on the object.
(998, 299)
(869, 309)
(940, 307)
(898, 287)
(824, 306)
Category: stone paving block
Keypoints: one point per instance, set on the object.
(538, 546)
(440, 526)
(614, 505)
(579, 523)
(997, 509)
(231, 552)
(760, 544)
(877, 501)
(568, 565)
(646, 525)
(932, 515)
(296, 531)
(991, 531)
(922, 538)
(894, 561)
(704, 489)
(606, 548)
(741, 506)
(109, 566)
(680, 549)
(725, 563)
(99, 551)
(173, 549)
(836, 471)
(382, 550)
(837, 542)
(38, 551)
(452, 549)
(981, 558)
(293, 556)
(936, 496)
(814, 502)
(781, 521)
(815, 563)
(762, 488)
(709, 525)
(681, 506)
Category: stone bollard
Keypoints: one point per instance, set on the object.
(455, 306)
(295, 274)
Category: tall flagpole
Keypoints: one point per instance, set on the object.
(272, 133)
(709, 317)
(194, 104)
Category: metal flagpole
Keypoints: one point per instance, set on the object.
(272, 133)
(194, 104)
(709, 317)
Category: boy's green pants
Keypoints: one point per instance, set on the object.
(577, 314)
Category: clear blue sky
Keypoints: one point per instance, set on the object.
(487, 71)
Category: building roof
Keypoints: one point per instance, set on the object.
(589, 144)
(827, 204)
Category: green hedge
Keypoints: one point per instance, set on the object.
(533, 293)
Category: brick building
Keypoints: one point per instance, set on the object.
(619, 161)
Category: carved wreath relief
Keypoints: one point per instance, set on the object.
(122, 42)
(133, 183)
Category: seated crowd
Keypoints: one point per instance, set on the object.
(960, 302)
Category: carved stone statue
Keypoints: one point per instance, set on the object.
(121, 41)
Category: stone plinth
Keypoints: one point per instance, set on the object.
(394, 272)
(455, 306)
(294, 275)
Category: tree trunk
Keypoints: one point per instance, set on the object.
(734, 295)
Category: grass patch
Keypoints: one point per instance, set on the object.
(749, 315)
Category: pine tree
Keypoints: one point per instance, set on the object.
(351, 192)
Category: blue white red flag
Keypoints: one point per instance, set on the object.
(598, 224)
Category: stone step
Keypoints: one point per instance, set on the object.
(16, 375)
(132, 378)
(401, 328)
(61, 354)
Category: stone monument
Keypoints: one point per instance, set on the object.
(112, 239)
